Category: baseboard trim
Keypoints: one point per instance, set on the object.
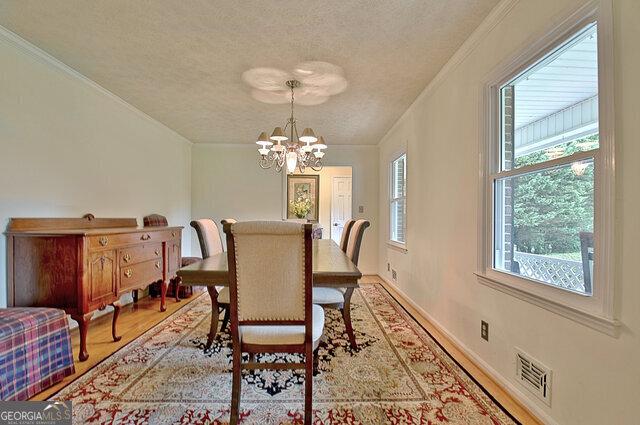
(500, 380)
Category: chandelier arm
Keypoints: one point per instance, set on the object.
(317, 166)
(267, 161)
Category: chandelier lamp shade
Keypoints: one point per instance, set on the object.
(290, 150)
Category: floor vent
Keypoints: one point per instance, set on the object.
(534, 376)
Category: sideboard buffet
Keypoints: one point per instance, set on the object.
(82, 265)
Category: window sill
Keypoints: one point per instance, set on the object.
(600, 323)
(402, 247)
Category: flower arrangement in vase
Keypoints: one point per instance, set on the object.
(301, 207)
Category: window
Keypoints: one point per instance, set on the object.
(548, 183)
(544, 187)
(398, 200)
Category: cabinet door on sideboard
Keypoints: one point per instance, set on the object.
(175, 255)
(102, 276)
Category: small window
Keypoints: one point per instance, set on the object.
(543, 206)
(398, 203)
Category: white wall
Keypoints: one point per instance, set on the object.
(596, 378)
(68, 147)
(228, 182)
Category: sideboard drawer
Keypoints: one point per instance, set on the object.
(116, 240)
(140, 274)
(123, 239)
(140, 253)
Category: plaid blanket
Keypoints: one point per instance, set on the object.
(35, 351)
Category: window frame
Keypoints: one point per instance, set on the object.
(390, 240)
(596, 310)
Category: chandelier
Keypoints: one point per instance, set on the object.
(294, 151)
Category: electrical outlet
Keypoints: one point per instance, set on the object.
(484, 330)
(394, 275)
(388, 267)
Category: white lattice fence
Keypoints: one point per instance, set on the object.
(563, 273)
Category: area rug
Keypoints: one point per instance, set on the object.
(398, 375)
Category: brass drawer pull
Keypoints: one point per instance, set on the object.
(127, 258)
(157, 264)
(157, 251)
(173, 234)
(103, 240)
(128, 273)
(145, 237)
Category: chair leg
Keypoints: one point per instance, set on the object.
(346, 315)
(316, 363)
(235, 386)
(308, 385)
(225, 320)
(213, 327)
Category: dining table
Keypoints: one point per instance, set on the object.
(331, 268)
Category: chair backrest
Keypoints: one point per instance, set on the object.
(155, 220)
(355, 240)
(208, 236)
(344, 239)
(228, 220)
(586, 249)
(270, 273)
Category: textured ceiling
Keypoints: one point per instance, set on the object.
(181, 61)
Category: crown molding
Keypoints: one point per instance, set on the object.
(494, 17)
(252, 145)
(12, 39)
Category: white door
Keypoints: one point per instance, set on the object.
(340, 206)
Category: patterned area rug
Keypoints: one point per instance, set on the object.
(398, 375)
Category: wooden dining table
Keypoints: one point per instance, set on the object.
(331, 268)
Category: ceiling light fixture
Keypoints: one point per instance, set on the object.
(294, 151)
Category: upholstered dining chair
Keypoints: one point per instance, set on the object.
(337, 297)
(211, 244)
(276, 314)
(344, 238)
(157, 220)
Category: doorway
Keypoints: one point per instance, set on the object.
(340, 205)
(335, 205)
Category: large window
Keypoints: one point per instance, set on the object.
(544, 188)
(398, 200)
(548, 174)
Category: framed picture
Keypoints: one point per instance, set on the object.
(303, 195)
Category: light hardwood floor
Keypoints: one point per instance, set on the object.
(136, 319)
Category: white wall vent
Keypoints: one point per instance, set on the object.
(534, 376)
